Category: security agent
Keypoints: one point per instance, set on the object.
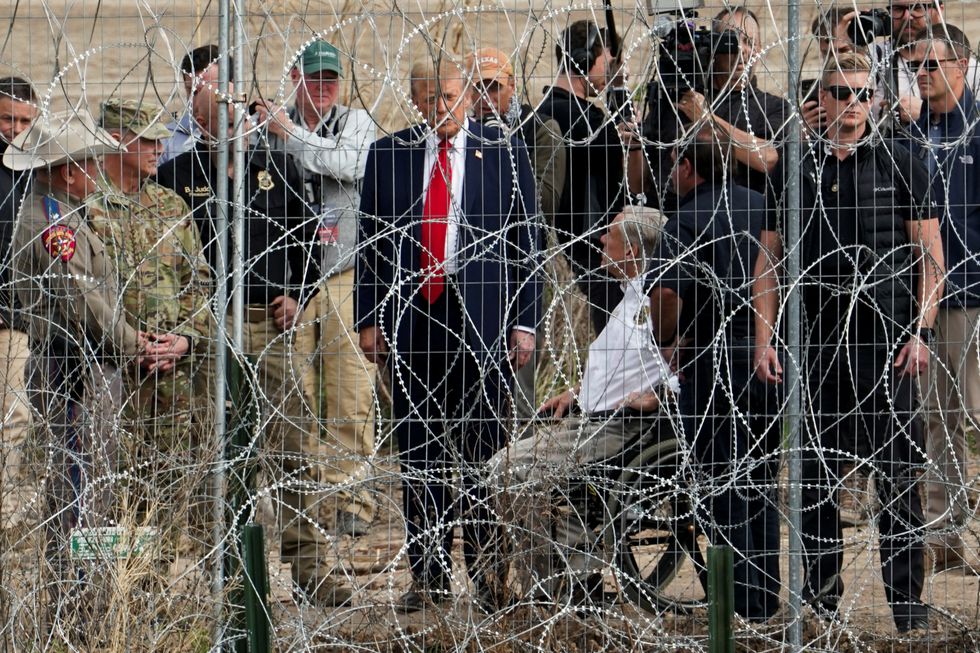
(593, 189)
(947, 140)
(732, 110)
(897, 98)
(279, 229)
(279, 269)
(18, 109)
(702, 274)
(873, 266)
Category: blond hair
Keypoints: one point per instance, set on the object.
(427, 70)
(849, 62)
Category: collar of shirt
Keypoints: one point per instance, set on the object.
(952, 122)
(186, 125)
(457, 144)
(324, 120)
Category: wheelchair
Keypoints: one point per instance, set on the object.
(646, 529)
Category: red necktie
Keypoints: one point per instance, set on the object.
(435, 223)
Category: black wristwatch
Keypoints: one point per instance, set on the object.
(926, 335)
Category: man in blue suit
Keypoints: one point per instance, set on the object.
(448, 298)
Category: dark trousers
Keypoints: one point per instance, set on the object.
(732, 419)
(856, 390)
(78, 402)
(447, 407)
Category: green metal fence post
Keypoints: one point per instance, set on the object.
(721, 599)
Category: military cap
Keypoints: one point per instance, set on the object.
(57, 138)
(141, 118)
(320, 55)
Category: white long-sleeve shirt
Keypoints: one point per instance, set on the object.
(341, 155)
(624, 358)
(332, 158)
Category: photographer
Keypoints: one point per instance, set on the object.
(593, 190)
(729, 108)
(900, 23)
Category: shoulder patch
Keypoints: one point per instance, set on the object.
(59, 240)
(52, 209)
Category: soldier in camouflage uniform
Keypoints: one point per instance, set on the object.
(155, 246)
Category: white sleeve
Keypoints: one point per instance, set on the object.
(343, 156)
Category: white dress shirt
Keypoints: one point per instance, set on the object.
(624, 358)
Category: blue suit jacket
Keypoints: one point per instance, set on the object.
(497, 251)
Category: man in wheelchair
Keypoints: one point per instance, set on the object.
(624, 386)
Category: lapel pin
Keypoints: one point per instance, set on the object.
(479, 154)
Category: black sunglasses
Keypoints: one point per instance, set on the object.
(929, 65)
(841, 93)
(916, 10)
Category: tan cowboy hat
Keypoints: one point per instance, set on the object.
(59, 138)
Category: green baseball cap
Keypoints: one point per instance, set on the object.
(318, 56)
(141, 118)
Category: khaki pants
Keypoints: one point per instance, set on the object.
(553, 540)
(17, 491)
(288, 446)
(339, 384)
(953, 404)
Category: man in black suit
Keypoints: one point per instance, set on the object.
(448, 296)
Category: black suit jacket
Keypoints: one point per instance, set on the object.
(497, 250)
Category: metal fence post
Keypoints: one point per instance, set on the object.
(793, 345)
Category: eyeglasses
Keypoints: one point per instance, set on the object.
(928, 65)
(842, 93)
(917, 10)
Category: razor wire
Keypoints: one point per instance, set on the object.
(107, 527)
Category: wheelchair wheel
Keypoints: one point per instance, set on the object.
(651, 532)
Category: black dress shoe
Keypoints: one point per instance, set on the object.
(417, 599)
(587, 591)
(915, 623)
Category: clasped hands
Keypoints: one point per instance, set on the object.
(160, 352)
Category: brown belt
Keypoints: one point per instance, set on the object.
(254, 313)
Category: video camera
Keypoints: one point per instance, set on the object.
(869, 25)
(684, 56)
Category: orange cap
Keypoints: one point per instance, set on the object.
(490, 63)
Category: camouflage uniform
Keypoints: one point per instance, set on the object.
(163, 279)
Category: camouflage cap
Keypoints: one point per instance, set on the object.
(141, 118)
